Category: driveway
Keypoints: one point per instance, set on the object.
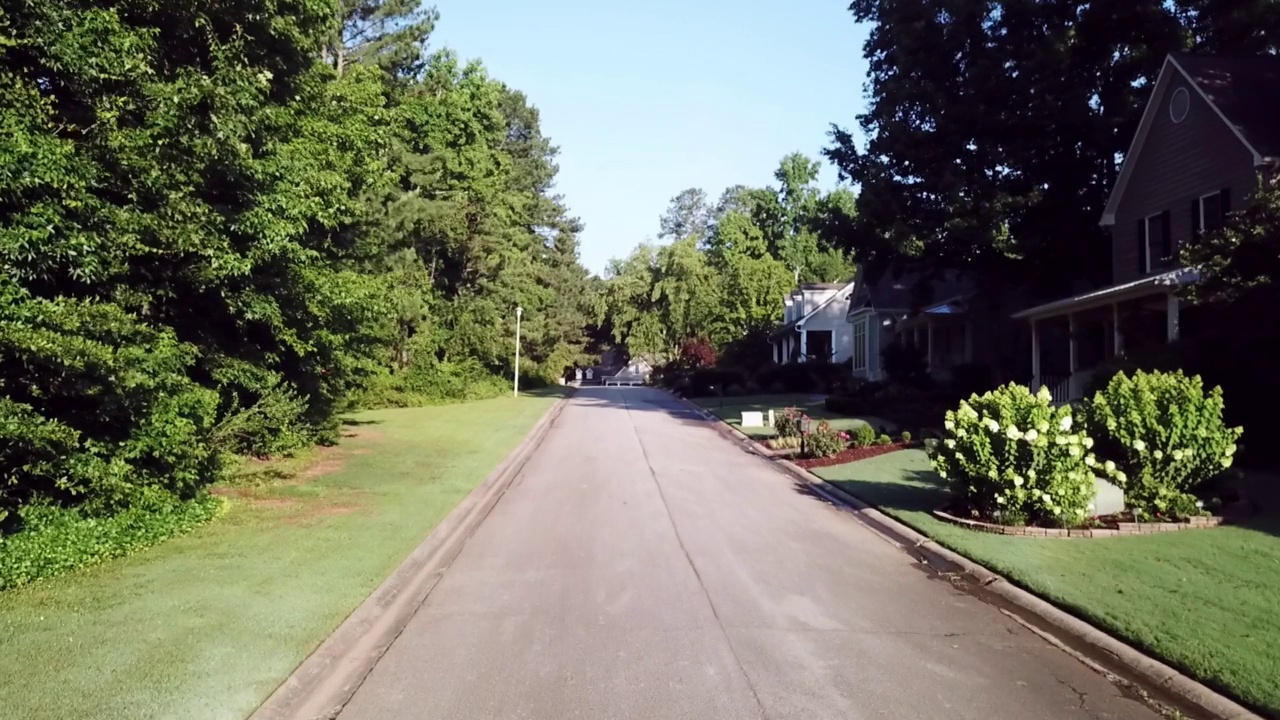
(642, 566)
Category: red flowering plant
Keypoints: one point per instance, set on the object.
(825, 441)
(788, 423)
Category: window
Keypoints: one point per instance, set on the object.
(1179, 105)
(1209, 212)
(1155, 241)
(860, 344)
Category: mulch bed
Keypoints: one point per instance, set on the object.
(851, 455)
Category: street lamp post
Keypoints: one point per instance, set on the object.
(515, 383)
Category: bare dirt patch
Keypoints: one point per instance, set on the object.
(359, 433)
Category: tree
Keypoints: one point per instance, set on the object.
(390, 34)
(687, 216)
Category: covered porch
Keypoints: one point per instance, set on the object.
(792, 343)
(944, 334)
(1071, 338)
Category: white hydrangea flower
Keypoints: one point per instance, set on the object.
(1044, 393)
(1177, 454)
(951, 444)
(1090, 460)
(1060, 440)
(1139, 445)
(1042, 427)
(1017, 481)
(1231, 450)
(1090, 507)
(1158, 454)
(1073, 439)
(1110, 466)
(1031, 435)
(1200, 504)
(1013, 432)
(1226, 462)
(961, 432)
(1031, 475)
(1121, 477)
(1000, 499)
(949, 425)
(1088, 443)
(1065, 423)
(1074, 451)
(992, 425)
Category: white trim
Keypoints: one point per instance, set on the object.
(839, 294)
(1176, 93)
(1144, 128)
(1147, 259)
(1149, 285)
(1222, 216)
(862, 324)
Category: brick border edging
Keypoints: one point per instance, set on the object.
(1106, 654)
(1121, 529)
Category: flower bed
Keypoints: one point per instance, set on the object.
(852, 454)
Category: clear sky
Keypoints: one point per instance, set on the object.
(646, 99)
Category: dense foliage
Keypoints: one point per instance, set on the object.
(825, 441)
(994, 129)
(724, 273)
(223, 223)
(1010, 455)
(1166, 436)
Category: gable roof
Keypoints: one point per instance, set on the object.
(840, 287)
(900, 292)
(1244, 92)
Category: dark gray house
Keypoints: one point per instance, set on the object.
(1211, 127)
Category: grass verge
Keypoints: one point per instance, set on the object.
(730, 410)
(1203, 600)
(205, 626)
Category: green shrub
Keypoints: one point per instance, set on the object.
(1164, 435)
(785, 443)
(864, 435)
(884, 440)
(1011, 454)
(825, 441)
(57, 540)
(906, 437)
(787, 423)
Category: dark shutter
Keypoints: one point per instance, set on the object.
(1142, 246)
(1195, 219)
(1166, 235)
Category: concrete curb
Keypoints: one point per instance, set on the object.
(325, 682)
(1096, 648)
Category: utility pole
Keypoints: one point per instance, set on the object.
(515, 383)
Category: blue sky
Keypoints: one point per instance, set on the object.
(646, 99)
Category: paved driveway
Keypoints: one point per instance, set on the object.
(642, 566)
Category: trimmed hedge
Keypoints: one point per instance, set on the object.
(56, 540)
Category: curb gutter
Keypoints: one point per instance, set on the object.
(325, 682)
(1087, 643)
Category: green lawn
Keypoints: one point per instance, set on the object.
(1207, 601)
(206, 625)
(730, 410)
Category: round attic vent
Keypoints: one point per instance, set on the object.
(1179, 105)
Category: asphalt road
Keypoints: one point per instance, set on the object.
(642, 566)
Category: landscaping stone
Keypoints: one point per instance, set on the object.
(1108, 498)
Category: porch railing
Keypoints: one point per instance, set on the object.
(1059, 387)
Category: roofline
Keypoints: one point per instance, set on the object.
(1166, 281)
(826, 302)
(1144, 128)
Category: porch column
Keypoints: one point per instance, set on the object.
(804, 346)
(1035, 356)
(1171, 318)
(1071, 338)
(928, 345)
(1117, 338)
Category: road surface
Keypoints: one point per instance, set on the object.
(642, 566)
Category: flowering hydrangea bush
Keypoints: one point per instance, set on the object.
(1164, 435)
(825, 441)
(1015, 458)
(788, 423)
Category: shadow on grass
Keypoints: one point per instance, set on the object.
(918, 491)
(352, 422)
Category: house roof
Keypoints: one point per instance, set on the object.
(1108, 295)
(1244, 91)
(782, 331)
(900, 292)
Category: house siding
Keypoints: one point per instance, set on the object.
(1178, 163)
